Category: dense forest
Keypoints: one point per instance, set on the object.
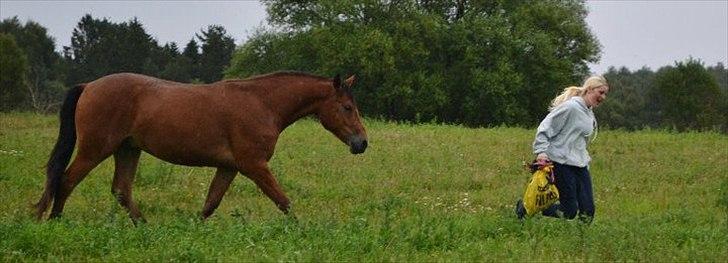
(34, 75)
(472, 63)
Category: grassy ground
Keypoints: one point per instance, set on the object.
(419, 193)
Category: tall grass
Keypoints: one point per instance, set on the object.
(419, 193)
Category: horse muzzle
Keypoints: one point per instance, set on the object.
(357, 144)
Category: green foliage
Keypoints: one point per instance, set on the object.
(192, 55)
(100, 47)
(685, 97)
(217, 48)
(420, 193)
(43, 87)
(179, 69)
(631, 102)
(13, 70)
(720, 73)
(476, 63)
(690, 97)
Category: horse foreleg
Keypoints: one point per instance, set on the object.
(126, 160)
(218, 187)
(261, 175)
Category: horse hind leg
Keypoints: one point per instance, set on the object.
(218, 187)
(126, 160)
(77, 171)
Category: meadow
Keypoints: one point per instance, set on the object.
(420, 193)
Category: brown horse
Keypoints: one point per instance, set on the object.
(232, 125)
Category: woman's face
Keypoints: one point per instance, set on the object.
(596, 96)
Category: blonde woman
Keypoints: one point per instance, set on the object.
(562, 138)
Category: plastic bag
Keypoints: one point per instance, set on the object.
(540, 191)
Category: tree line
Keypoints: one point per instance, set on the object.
(35, 76)
(684, 96)
(475, 63)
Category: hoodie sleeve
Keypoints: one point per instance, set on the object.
(550, 127)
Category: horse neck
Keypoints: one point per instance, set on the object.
(291, 102)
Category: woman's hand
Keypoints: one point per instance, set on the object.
(542, 157)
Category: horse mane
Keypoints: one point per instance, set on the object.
(282, 73)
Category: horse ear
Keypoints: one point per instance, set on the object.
(350, 81)
(337, 82)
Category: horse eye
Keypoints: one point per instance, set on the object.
(347, 107)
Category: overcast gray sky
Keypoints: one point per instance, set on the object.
(632, 33)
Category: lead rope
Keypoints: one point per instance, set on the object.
(596, 130)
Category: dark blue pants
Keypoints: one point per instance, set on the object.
(575, 193)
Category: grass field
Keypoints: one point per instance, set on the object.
(419, 193)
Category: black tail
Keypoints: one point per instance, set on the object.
(61, 154)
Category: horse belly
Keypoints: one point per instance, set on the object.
(190, 157)
(185, 143)
(190, 154)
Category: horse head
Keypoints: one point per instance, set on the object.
(340, 115)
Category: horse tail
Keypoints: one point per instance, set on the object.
(61, 154)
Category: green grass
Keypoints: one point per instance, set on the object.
(419, 193)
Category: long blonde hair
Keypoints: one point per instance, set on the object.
(589, 84)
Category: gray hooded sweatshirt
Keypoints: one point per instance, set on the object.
(564, 133)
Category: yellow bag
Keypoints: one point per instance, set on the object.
(540, 191)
